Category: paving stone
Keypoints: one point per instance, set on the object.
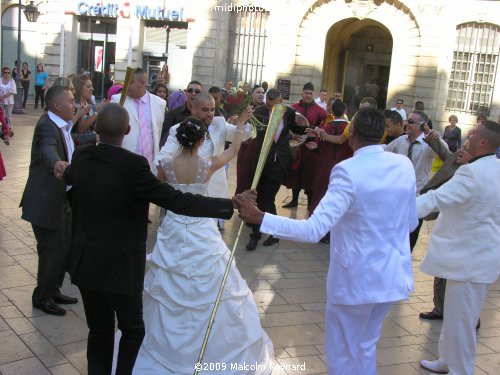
(61, 329)
(304, 295)
(13, 349)
(489, 363)
(491, 342)
(14, 276)
(10, 312)
(268, 297)
(300, 351)
(21, 298)
(402, 355)
(20, 325)
(76, 354)
(29, 366)
(296, 335)
(304, 266)
(405, 369)
(43, 349)
(64, 369)
(291, 318)
(298, 283)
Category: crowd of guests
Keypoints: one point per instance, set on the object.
(313, 137)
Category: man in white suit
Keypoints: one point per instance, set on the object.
(146, 112)
(219, 132)
(465, 247)
(369, 270)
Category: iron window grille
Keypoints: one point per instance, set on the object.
(474, 68)
(247, 46)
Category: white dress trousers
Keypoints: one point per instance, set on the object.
(462, 307)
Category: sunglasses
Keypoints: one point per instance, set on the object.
(6, 72)
(191, 90)
(411, 122)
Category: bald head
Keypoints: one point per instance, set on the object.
(204, 107)
(202, 98)
(112, 123)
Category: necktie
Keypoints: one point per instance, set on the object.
(70, 147)
(410, 149)
(146, 141)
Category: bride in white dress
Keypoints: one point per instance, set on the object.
(185, 272)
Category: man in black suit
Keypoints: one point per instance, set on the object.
(45, 202)
(277, 164)
(112, 191)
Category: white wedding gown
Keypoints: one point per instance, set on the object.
(180, 287)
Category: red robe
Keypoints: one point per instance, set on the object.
(329, 155)
(302, 174)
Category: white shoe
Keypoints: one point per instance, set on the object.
(437, 366)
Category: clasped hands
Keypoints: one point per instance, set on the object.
(247, 207)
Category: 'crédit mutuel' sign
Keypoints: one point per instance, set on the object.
(126, 10)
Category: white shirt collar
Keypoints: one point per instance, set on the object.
(59, 121)
(368, 150)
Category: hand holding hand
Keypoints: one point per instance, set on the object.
(59, 167)
(248, 211)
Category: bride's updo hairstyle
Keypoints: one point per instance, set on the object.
(190, 131)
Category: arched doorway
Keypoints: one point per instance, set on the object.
(357, 60)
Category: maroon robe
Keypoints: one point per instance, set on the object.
(329, 154)
(302, 174)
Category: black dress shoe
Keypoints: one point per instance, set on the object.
(292, 204)
(65, 300)
(252, 243)
(431, 315)
(270, 241)
(50, 307)
(478, 324)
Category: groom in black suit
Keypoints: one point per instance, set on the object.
(112, 191)
(45, 201)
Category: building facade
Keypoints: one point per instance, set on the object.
(442, 52)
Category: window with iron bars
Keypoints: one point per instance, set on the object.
(247, 40)
(474, 68)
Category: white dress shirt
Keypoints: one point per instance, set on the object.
(401, 111)
(321, 103)
(66, 131)
(421, 158)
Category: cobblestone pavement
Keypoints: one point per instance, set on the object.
(287, 279)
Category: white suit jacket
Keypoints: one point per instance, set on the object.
(157, 107)
(369, 209)
(465, 241)
(220, 131)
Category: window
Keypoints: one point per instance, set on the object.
(474, 68)
(247, 40)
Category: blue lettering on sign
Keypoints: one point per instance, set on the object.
(112, 10)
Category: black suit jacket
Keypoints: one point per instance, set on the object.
(280, 156)
(44, 195)
(112, 188)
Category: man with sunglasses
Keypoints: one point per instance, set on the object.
(177, 115)
(399, 108)
(419, 152)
